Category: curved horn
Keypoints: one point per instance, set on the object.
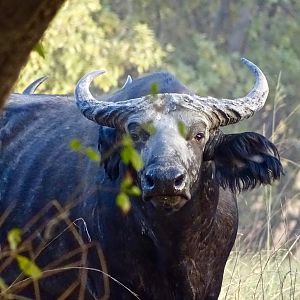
(34, 85)
(219, 112)
(111, 114)
(223, 112)
(128, 81)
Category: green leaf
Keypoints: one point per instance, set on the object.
(28, 267)
(75, 145)
(92, 154)
(126, 183)
(127, 141)
(134, 191)
(130, 155)
(14, 238)
(125, 155)
(3, 285)
(39, 48)
(182, 129)
(123, 202)
(149, 127)
(154, 89)
(136, 160)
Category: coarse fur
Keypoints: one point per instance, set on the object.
(242, 160)
(156, 253)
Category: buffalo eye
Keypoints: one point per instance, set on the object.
(199, 136)
(137, 133)
(134, 136)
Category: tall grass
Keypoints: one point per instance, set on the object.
(272, 271)
(261, 275)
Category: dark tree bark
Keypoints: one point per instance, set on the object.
(22, 24)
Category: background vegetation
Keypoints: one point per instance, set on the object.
(201, 43)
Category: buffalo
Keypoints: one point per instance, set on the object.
(175, 240)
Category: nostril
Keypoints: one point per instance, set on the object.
(179, 180)
(149, 181)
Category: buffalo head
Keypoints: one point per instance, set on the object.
(172, 157)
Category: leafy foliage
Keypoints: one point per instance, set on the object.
(3, 285)
(182, 129)
(149, 127)
(26, 265)
(127, 189)
(129, 155)
(84, 36)
(39, 48)
(123, 202)
(76, 146)
(154, 89)
(205, 39)
(14, 238)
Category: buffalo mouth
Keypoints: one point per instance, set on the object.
(168, 203)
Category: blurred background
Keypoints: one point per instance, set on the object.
(201, 42)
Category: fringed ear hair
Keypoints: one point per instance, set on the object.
(245, 160)
(215, 139)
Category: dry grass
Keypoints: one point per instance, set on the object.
(261, 275)
(273, 271)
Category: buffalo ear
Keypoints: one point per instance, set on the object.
(110, 156)
(245, 160)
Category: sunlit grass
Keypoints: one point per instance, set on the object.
(261, 275)
(273, 271)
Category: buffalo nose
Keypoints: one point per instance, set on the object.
(165, 180)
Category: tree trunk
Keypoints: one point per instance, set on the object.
(221, 19)
(22, 24)
(238, 37)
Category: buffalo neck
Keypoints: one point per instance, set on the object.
(193, 223)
